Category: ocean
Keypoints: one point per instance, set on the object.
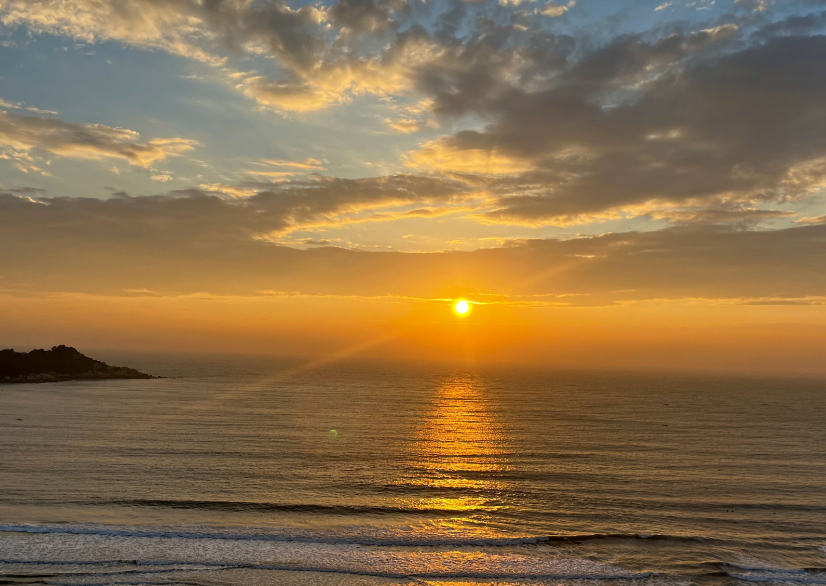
(260, 470)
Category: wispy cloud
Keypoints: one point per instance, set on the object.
(305, 164)
(22, 136)
(4, 105)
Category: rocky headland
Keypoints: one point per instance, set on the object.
(61, 363)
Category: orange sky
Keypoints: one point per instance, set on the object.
(679, 334)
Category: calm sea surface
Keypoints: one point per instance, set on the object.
(254, 471)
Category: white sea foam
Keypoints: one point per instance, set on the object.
(411, 535)
(436, 562)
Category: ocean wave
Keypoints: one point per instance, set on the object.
(39, 545)
(804, 578)
(264, 507)
(530, 569)
(750, 568)
(399, 538)
(761, 573)
(99, 550)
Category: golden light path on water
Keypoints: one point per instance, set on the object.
(460, 449)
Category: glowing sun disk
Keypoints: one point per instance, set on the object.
(461, 307)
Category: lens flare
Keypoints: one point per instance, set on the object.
(461, 307)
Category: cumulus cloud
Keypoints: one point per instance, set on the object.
(335, 77)
(315, 74)
(314, 71)
(20, 136)
(639, 125)
(171, 25)
(287, 96)
(365, 16)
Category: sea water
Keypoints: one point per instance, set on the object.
(255, 470)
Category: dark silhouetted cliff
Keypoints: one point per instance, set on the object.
(58, 364)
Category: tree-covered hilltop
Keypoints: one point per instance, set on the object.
(61, 363)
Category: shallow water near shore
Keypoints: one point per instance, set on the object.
(252, 470)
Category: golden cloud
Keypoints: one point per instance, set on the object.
(23, 134)
(440, 155)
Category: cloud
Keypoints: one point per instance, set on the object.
(24, 190)
(170, 25)
(555, 10)
(638, 125)
(720, 121)
(733, 215)
(450, 156)
(289, 97)
(405, 125)
(315, 70)
(193, 242)
(230, 190)
(799, 24)
(335, 77)
(202, 31)
(272, 174)
(312, 242)
(812, 220)
(309, 163)
(365, 16)
(20, 106)
(313, 73)
(20, 136)
(754, 5)
(255, 210)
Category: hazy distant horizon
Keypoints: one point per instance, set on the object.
(308, 363)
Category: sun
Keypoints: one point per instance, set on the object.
(461, 307)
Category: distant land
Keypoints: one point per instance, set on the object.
(61, 363)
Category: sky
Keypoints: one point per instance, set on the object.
(616, 183)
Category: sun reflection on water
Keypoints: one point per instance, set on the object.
(459, 454)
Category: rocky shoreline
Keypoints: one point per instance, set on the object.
(61, 363)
